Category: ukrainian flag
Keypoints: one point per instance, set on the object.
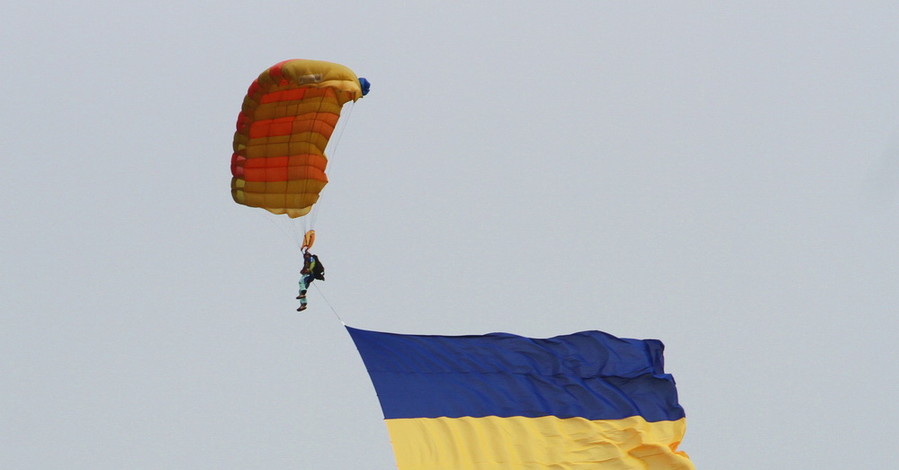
(582, 401)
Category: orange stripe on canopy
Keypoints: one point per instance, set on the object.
(322, 123)
(316, 161)
(292, 173)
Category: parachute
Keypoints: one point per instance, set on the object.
(285, 123)
(587, 400)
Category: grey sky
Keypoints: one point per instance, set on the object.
(721, 177)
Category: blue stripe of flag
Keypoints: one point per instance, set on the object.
(590, 374)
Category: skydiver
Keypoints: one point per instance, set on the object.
(312, 270)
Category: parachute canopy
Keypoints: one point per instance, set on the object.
(586, 400)
(287, 118)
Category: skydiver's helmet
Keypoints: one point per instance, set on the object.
(365, 84)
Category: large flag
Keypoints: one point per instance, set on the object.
(582, 401)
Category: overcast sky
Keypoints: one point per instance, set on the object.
(717, 175)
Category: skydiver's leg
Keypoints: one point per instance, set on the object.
(307, 280)
(304, 285)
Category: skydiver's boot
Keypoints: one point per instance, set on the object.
(302, 307)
